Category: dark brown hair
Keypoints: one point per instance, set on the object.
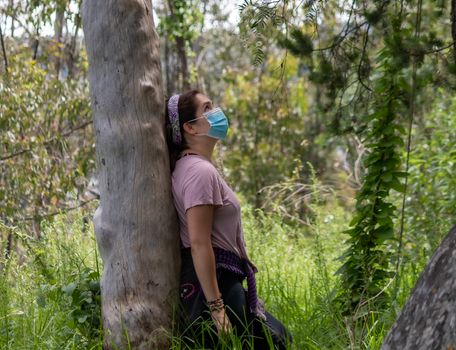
(186, 109)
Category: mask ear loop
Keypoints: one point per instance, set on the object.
(192, 120)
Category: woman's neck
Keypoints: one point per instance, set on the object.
(201, 151)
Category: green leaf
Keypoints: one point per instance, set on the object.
(94, 286)
(82, 319)
(397, 186)
(355, 220)
(387, 177)
(401, 129)
(69, 289)
(400, 174)
(383, 233)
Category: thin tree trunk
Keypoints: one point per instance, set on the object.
(72, 51)
(58, 30)
(11, 7)
(180, 46)
(453, 26)
(180, 43)
(36, 44)
(5, 58)
(135, 224)
(169, 80)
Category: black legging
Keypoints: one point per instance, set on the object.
(195, 314)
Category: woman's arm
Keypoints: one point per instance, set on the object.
(199, 221)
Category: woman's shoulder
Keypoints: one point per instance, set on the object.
(196, 177)
(193, 165)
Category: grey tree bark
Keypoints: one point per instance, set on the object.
(135, 224)
(428, 320)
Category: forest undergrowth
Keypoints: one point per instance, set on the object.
(50, 289)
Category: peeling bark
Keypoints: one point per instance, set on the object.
(428, 320)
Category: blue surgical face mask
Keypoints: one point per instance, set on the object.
(218, 123)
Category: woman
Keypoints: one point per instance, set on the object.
(214, 258)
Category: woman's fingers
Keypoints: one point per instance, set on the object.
(221, 321)
(226, 325)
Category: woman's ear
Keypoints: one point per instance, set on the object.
(188, 128)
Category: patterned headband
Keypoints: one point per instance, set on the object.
(174, 119)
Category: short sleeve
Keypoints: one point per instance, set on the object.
(202, 186)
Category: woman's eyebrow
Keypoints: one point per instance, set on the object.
(207, 102)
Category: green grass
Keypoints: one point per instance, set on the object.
(35, 313)
(45, 283)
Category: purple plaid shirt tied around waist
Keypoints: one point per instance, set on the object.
(230, 261)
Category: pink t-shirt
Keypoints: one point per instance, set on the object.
(196, 181)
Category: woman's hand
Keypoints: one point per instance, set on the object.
(221, 321)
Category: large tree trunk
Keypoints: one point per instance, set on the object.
(135, 224)
(428, 320)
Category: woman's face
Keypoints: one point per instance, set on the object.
(204, 104)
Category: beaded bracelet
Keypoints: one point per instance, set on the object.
(216, 305)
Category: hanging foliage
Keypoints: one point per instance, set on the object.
(367, 260)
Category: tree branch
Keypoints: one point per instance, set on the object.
(341, 37)
(441, 48)
(366, 40)
(60, 211)
(45, 143)
(21, 24)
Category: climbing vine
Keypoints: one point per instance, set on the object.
(367, 258)
(368, 74)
